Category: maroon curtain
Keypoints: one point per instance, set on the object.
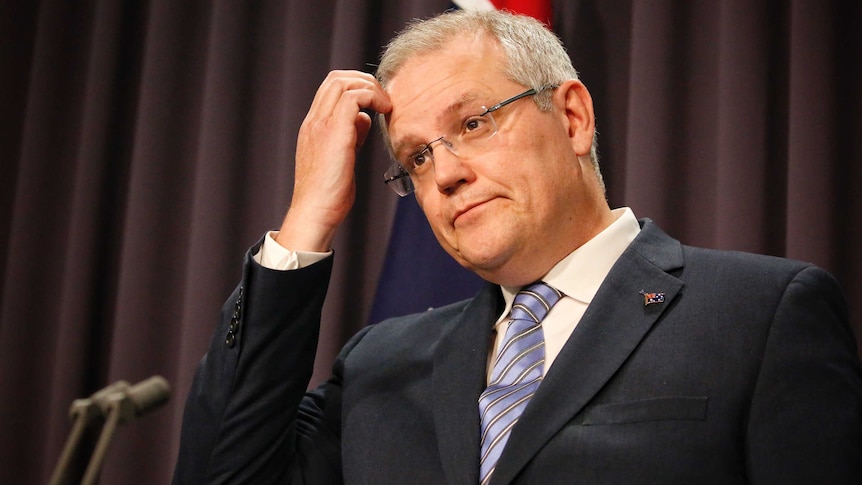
(145, 145)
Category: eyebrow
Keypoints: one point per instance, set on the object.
(457, 105)
(447, 112)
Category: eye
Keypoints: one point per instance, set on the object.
(418, 159)
(474, 125)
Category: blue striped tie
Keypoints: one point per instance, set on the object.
(517, 372)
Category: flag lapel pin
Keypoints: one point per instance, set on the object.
(650, 298)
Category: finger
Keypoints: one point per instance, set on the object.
(337, 83)
(363, 126)
(353, 101)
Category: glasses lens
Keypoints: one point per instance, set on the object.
(477, 128)
(469, 140)
(398, 180)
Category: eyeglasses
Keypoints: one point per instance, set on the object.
(466, 140)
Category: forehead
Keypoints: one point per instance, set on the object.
(467, 71)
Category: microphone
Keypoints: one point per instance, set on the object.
(84, 412)
(96, 406)
(140, 398)
(124, 406)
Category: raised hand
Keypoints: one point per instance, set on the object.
(330, 136)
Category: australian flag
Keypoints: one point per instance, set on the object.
(651, 298)
(418, 274)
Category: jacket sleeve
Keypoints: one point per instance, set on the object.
(805, 421)
(247, 417)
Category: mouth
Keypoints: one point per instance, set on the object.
(468, 208)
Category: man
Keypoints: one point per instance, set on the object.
(639, 359)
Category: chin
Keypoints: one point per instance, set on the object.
(483, 263)
(481, 255)
(502, 267)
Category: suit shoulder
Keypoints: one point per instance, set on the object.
(744, 262)
(752, 273)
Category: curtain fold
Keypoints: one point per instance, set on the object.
(145, 145)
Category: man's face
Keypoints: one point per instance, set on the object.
(520, 205)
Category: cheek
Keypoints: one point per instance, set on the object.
(433, 213)
(531, 149)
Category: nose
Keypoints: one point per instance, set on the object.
(450, 170)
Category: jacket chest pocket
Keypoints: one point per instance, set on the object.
(668, 408)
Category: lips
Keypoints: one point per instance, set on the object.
(467, 208)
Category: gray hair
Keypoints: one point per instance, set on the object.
(535, 56)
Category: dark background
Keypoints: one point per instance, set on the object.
(145, 145)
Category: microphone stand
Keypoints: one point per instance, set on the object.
(102, 446)
(123, 407)
(83, 412)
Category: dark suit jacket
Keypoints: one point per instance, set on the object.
(746, 373)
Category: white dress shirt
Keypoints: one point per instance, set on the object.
(578, 276)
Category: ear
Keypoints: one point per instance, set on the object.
(580, 118)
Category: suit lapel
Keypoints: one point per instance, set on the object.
(612, 327)
(460, 363)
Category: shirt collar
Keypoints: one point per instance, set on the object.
(580, 274)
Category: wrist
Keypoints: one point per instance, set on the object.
(302, 233)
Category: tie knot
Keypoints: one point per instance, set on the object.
(534, 302)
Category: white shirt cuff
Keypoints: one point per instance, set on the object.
(273, 255)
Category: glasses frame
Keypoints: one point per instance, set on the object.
(405, 188)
